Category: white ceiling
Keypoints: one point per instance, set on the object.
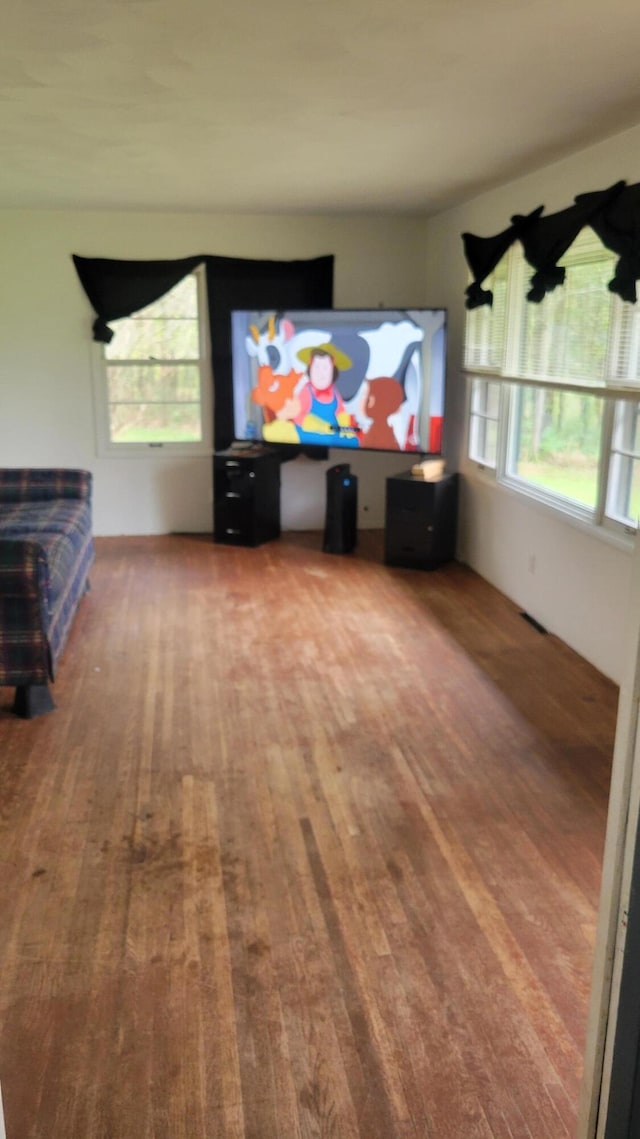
(303, 105)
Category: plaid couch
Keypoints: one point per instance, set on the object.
(46, 552)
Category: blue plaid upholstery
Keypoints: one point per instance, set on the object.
(33, 484)
(46, 552)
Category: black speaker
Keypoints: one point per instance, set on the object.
(340, 527)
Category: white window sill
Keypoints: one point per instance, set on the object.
(160, 452)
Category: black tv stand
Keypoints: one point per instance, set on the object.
(246, 495)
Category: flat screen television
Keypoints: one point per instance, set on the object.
(372, 379)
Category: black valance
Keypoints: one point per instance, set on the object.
(484, 253)
(120, 288)
(613, 214)
(618, 227)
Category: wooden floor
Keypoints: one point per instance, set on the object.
(311, 847)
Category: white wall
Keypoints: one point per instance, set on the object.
(579, 585)
(46, 398)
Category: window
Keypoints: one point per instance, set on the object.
(554, 443)
(545, 385)
(485, 340)
(155, 376)
(483, 426)
(565, 337)
(623, 500)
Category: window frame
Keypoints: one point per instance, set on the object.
(613, 389)
(569, 506)
(107, 447)
(484, 417)
(618, 454)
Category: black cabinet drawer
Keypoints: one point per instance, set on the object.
(235, 513)
(240, 483)
(408, 535)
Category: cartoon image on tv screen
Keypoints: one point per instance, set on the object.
(369, 379)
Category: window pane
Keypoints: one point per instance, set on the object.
(167, 329)
(138, 338)
(180, 301)
(566, 335)
(483, 426)
(623, 499)
(493, 400)
(625, 365)
(485, 398)
(159, 404)
(483, 441)
(148, 383)
(623, 496)
(155, 423)
(478, 397)
(485, 326)
(555, 440)
(626, 433)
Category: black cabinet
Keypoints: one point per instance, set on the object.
(246, 497)
(420, 521)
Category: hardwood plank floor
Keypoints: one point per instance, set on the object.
(310, 847)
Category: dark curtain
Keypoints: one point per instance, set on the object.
(234, 283)
(119, 288)
(549, 239)
(613, 214)
(618, 227)
(484, 253)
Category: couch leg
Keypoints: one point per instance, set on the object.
(32, 700)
